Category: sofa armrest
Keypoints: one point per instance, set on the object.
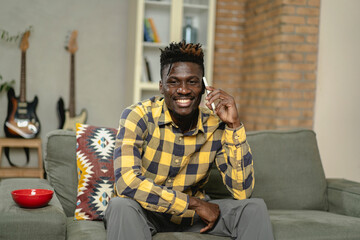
(8, 185)
(23, 223)
(344, 197)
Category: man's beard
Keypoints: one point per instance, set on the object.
(188, 119)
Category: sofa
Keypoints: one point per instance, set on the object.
(289, 176)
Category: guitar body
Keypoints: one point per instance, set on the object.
(21, 120)
(70, 122)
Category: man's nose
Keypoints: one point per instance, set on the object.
(183, 89)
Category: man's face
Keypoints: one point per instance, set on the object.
(182, 87)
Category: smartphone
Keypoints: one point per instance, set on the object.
(207, 92)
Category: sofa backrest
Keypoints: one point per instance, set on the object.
(61, 169)
(288, 171)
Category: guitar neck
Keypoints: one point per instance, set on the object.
(72, 111)
(23, 77)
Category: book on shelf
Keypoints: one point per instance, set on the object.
(150, 32)
(146, 71)
(154, 31)
(147, 34)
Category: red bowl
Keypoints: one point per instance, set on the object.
(32, 198)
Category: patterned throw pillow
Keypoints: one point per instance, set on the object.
(94, 154)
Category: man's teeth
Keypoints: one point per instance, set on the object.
(183, 100)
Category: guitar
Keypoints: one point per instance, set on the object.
(68, 118)
(21, 120)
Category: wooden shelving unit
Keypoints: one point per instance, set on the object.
(8, 172)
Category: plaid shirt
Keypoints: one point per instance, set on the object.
(160, 167)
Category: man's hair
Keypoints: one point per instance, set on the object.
(181, 52)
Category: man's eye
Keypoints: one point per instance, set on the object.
(193, 82)
(172, 82)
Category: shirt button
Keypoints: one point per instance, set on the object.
(177, 160)
(172, 212)
(169, 180)
(180, 138)
(236, 137)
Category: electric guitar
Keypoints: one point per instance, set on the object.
(68, 118)
(21, 120)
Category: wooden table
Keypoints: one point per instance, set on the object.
(7, 172)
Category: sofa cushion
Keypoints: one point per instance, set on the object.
(215, 187)
(313, 225)
(88, 230)
(94, 154)
(60, 166)
(48, 222)
(85, 230)
(187, 236)
(288, 169)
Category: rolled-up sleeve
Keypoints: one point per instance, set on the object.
(235, 163)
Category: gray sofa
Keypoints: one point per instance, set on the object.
(302, 203)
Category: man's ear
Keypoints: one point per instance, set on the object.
(161, 87)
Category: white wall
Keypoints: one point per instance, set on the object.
(337, 111)
(100, 60)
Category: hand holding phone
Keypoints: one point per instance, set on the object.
(208, 92)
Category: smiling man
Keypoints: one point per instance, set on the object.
(164, 151)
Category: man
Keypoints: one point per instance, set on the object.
(164, 150)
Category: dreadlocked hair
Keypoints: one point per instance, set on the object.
(181, 52)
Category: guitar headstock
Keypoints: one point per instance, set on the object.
(24, 45)
(71, 45)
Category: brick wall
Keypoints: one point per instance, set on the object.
(266, 57)
(229, 40)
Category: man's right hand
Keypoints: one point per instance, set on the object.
(208, 212)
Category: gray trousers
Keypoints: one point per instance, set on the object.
(239, 219)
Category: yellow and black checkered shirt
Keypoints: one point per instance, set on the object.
(160, 167)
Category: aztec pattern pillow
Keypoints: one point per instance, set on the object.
(94, 154)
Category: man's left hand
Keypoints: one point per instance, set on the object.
(225, 106)
(208, 212)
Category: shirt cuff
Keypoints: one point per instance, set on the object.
(179, 205)
(235, 136)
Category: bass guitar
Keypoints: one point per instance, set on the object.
(68, 117)
(21, 120)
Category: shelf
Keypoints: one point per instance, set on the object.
(159, 12)
(154, 45)
(158, 3)
(195, 6)
(8, 172)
